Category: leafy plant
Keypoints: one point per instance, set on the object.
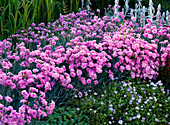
(64, 116)
(125, 102)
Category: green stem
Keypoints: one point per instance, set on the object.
(2, 26)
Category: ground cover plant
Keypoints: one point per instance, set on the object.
(125, 103)
(45, 66)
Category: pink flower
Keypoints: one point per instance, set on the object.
(122, 68)
(72, 74)
(95, 82)
(91, 64)
(133, 19)
(133, 75)
(35, 70)
(88, 80)
(83, 65)
(128, 67)
(98, 10)
(23, 101)
(52, 104)
(25, 94)
(33, 95)
(30, 80)
(1, 106)
(150, 36)
(8, 99)
(70, 86)
(32, 89)
(10, 108)
(34, 113)
(80, 94)
(79, 72)
(47, 86)
(30, 60)
(43, 94)
(44, 102)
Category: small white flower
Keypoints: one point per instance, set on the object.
(156, 120)
(160, 105)
(124, 84)
(94, 111)
(115, 92)
(110, 122)
(133, 98)
(154, 88)
(102, 95)
(78, 109)
(120, 122)
(95, 93)
(102, 103)
(137, 108)
(150, 98)
(138, 116)
(153, 84)
(134, 117)
(148, 113)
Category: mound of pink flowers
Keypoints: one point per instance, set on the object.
(77, 46)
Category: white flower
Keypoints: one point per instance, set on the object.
(78, 109)
(156, 120)
(102, 103)
(133, 98)
(110, 122)
(138, 116)
(120, 122)
(115, 92)
(102, 95)
(154, 88)
(150, 98)
(111, 105)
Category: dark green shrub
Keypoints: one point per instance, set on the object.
(65, 116)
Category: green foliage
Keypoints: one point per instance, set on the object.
(133, 103)
(65, 116)
(16, 14)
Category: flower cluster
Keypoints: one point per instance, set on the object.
(81, 46)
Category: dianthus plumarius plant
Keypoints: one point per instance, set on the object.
(46, 64)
